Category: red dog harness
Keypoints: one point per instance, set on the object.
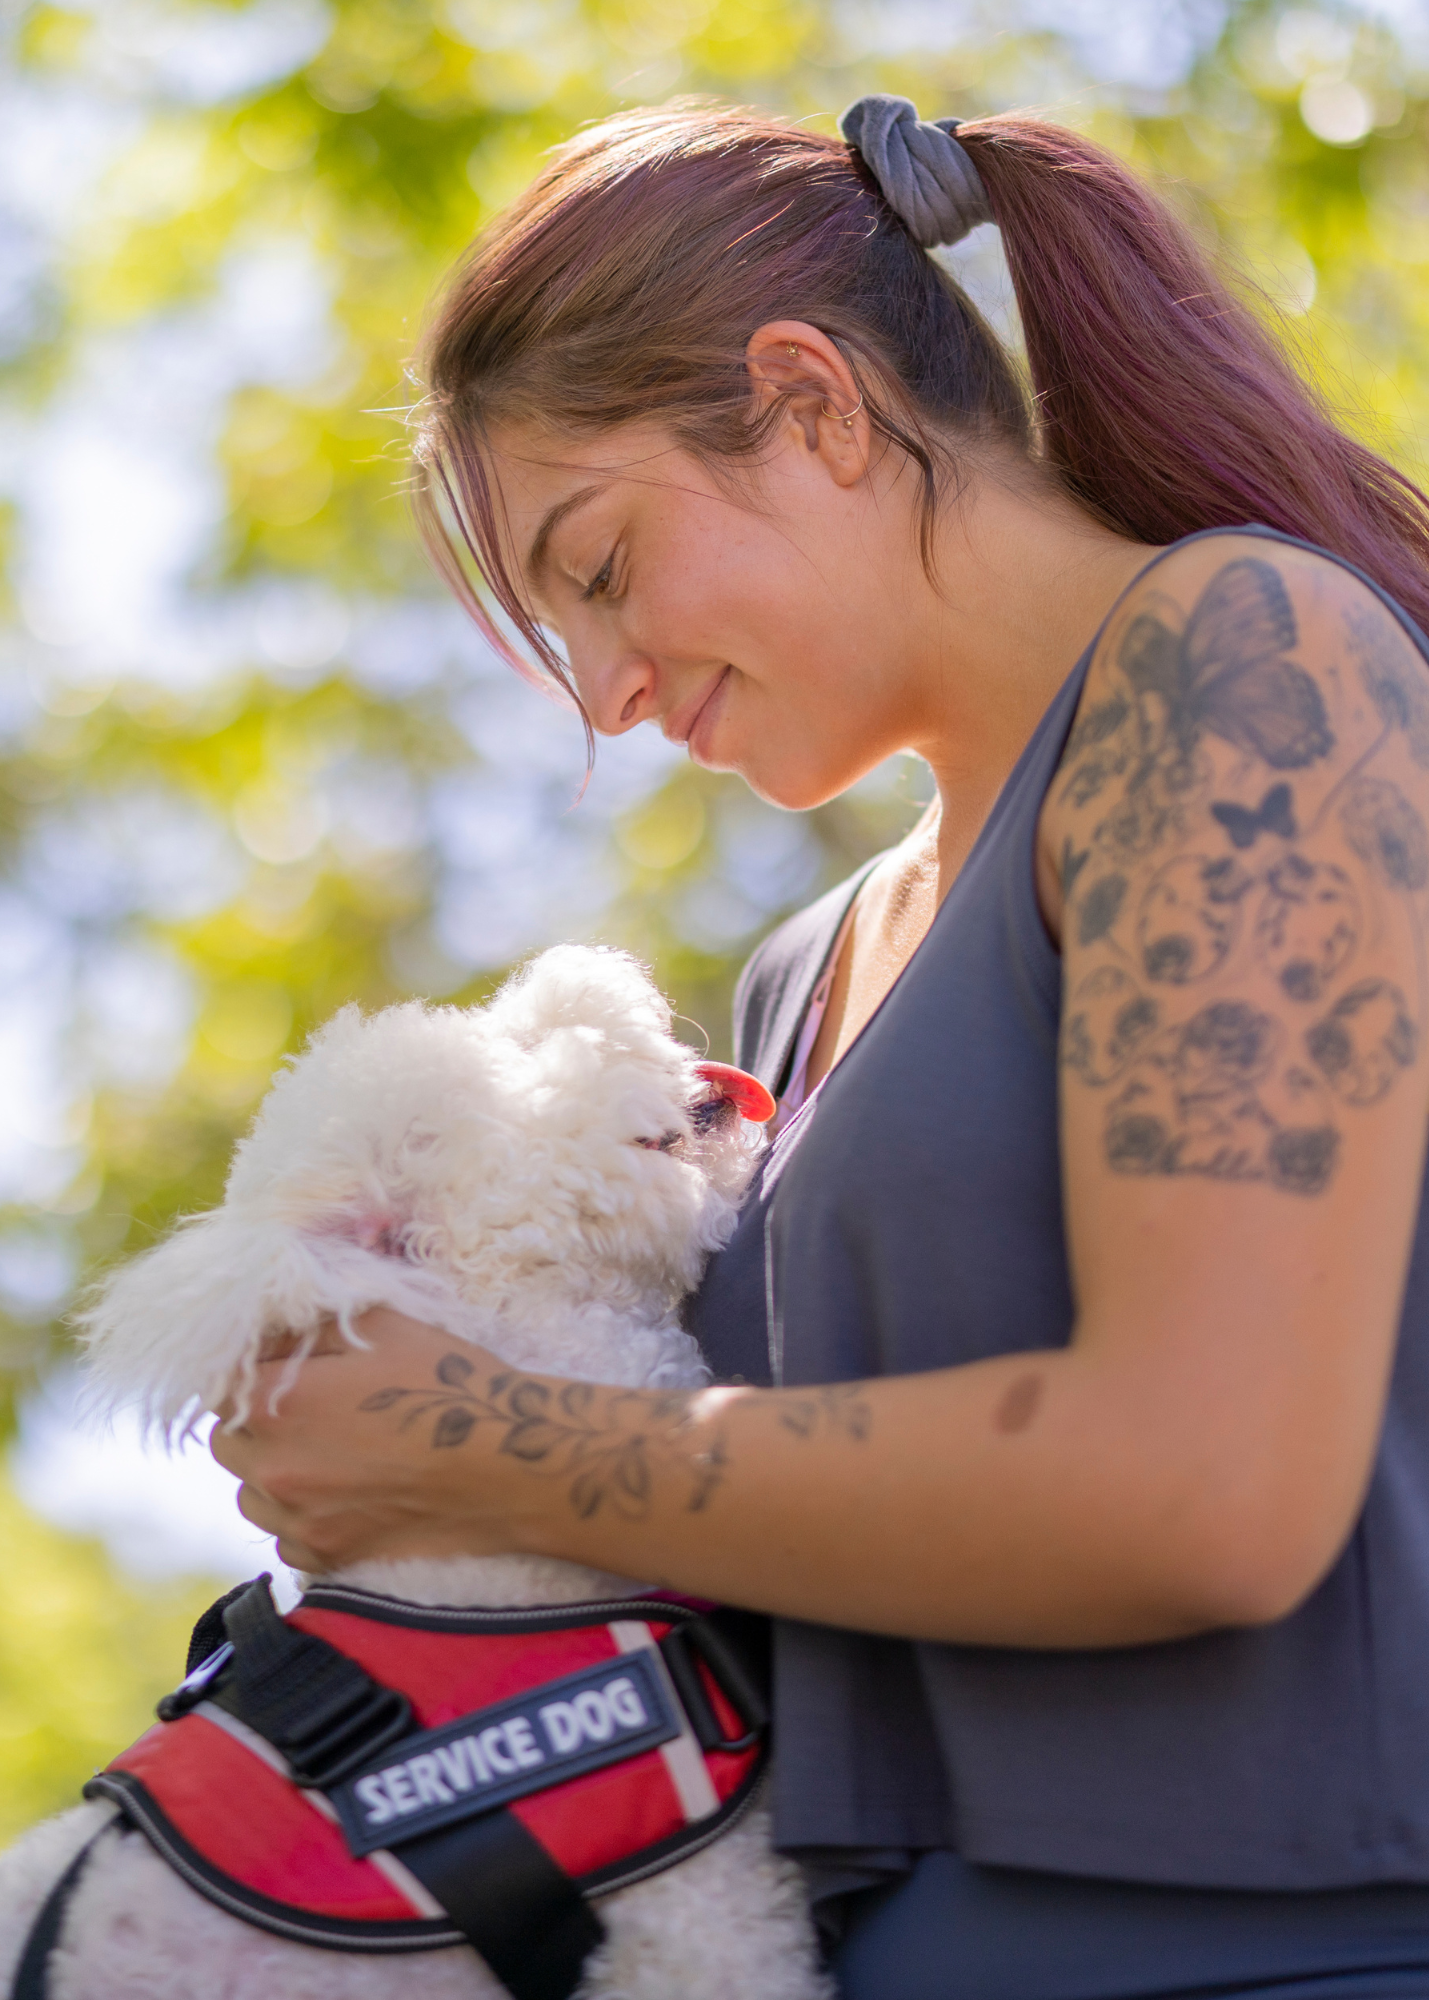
(374, 1776)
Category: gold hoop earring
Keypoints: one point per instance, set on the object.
(847, 421)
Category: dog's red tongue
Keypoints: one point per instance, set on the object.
(745, 1092)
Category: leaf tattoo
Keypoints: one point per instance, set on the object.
(565, 1433)
(607, 1443)
(384, 1399)
(453, 1426)
(840, 1408)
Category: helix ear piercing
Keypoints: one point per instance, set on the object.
(791, 348)
(846, 421)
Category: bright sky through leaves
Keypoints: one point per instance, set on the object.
(254, 764)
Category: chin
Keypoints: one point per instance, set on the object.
(794, 790)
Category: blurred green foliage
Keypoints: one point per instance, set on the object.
(325, 793)
(83, 1658)
(235, 849)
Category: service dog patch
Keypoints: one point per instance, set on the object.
(557, 1731)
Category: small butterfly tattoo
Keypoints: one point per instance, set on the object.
(1274, 814)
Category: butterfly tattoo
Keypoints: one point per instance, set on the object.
(1227, 675)
(1244, 824)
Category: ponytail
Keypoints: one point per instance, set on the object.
(1163, 403)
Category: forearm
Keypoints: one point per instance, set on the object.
(1007, 1502)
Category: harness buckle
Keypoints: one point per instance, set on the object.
(348, 1732)
(703, 1641)
(312, 1703)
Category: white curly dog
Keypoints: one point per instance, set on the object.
(533, 1175)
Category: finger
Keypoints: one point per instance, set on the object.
(297, 1555)
(231, 1447)
(263, 1511)
(285, 1343)
(331, 1340)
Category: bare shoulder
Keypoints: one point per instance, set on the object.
(1241, 823)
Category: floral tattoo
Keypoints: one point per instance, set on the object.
(607, 1444)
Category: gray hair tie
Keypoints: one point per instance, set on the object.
(925, 176)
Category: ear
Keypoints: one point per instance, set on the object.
(823, 401)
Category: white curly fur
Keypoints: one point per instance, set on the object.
(482, 1169)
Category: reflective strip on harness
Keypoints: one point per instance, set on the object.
(413, 1892)
(683, 1758)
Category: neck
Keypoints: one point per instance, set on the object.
(1027, 577)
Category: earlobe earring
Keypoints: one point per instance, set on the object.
(846, 421)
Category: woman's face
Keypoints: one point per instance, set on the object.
(774, 632)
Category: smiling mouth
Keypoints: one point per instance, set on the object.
(683, 727)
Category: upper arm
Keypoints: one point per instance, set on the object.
(1240, 825)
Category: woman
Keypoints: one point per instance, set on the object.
(1078, 1443)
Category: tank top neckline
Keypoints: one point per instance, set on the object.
(841, 919)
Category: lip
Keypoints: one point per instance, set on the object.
(696, 719)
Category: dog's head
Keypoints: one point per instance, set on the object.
(489, 1169)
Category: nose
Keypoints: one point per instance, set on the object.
(617, 682)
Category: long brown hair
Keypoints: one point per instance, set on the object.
(627, 280)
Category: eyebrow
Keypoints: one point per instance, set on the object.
(536, 560)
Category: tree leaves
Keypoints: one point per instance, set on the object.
(315, 758)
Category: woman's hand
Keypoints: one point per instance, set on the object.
(353, 1462)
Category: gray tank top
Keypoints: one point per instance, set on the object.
(910, 1218)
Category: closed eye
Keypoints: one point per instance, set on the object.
(600, 582)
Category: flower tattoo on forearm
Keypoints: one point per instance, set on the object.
(608, 1445)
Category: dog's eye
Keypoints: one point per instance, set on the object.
(666, 1145)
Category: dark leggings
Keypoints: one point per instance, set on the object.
(952, 1931)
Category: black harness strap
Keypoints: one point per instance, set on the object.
(520, 1910)
(495, 1882)
(209, 1633)
(314, 1704)
(32, 1979)
(328, 1717)
(734, 1645)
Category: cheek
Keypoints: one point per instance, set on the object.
(689, 613)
